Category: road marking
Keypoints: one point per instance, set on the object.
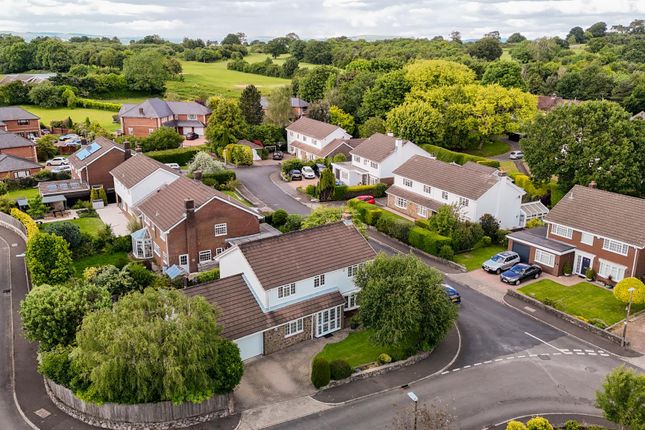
(499, 359)
(477, 364)
(592, 353)
(510, 358)
(577, 350)
(528, 308)
(589, 350)
(456, 370)
(604, 355)
(544, 342)
(466, 367)
(580, 353)
(557, 353)
(488, 361)
(521, 356)
(445, 373)
(568, 353)
(533, 355)
(565, 349)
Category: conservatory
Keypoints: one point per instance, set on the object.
(141, 244)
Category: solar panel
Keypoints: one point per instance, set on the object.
(51, 187)
(93, 147)
(63, 186)
(83, 154)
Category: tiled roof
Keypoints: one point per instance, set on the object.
(449, 177)
(157, 108)
(480, 167)
(313, 128)
(546, 103)
(295, 102)
(240, 314)
(10, 163)
(78, 161)
(537, 236)
(11, 113)
(250, 144)
(307, 252)
(612, 215)
(414, 197)
(136, 168)
(10, 140)
(378, 147)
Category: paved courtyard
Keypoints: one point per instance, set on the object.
(112, 215)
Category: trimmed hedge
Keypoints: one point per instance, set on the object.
(428, 241)
(181, 156)
(340, 369)
(27, 221)
(449, 156)
(97, 104)
(220, 177)
(320, 372)
(394, 226)
(344, 192)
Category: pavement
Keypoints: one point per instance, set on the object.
(112, 215)
(635, 332)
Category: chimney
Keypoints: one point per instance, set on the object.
(593, 184)
(501, 173)
(138, 148)
(389, 133)
(398, 144)
(141, 111)
(191, 234)
(126, 148)
(197, 175)
(347, 218)
(189, 204)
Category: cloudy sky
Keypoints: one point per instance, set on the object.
(212, 19)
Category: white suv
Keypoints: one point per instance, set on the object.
(501, 262)
(57, 161)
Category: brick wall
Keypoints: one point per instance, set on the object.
(9, 175)
(27, 152)
(98, 173)
(12, 126)
(140, 126)
(274, 339)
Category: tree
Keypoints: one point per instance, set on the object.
(49, 259)
(371, 126)
(143, 350)
(326, 185)
(162, 138)
(266, 133)
(323, 215)
(455, 36)
(47, 95)
(226, 125)
(141, 277)
(52, 54)
(319, 110)
(45, 148)
(515, 38)
(145, 71)
(277, 46)
(68, 231)
(289, 67)
(279, 110)
(538, 423)
(117, 282)
(342, 119)
(403, 302)
(445, 221)
(240, 155)
(592, 141)
(416, 121)
(621, 398)
(578, 35)
(350, 89)
(14, 93)
(427, 74)
(621, 290)
(51, 314)
(36, 207)
(515, 425)
(250, 105)
(487, 48)
(313, 85)
(231, 39)
(204, 163)
(388, 92)
(317, 52)
(508, 74)
(490, 225)
(598, 29)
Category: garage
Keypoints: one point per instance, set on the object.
(251, 346)
(199, 130)
(522, 250)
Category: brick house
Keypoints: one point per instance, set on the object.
(14, 119)
(142, 119)
(309, 139)
(186, 223)
(298, 106)
(588, 228)
(18, 146)
(16, 167)
(92, 163)
(265, 308)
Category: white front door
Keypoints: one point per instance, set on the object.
(328, 321)
(183, 262)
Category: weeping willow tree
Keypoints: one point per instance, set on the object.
(154, 346)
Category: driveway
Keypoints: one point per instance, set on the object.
(302, 184)
(635, 332)
(281, 376)
(112, 215)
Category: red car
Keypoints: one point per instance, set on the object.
(367, 199)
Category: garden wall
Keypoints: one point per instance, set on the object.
(154, 416)
(13, 224)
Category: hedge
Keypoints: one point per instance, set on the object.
(449, 156)
(96, 104)
(181, 156)
(340, 369)
(320, 372)
(220, 177)
(27, 221)
(428, 241)
(394, 226)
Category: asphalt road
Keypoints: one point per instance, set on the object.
(510, 365)
(257, 180)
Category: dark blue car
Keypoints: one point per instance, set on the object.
(452, 294)
(516, 274)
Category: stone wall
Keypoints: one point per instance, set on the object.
(152, 416)
(274, 339)
(13, 224)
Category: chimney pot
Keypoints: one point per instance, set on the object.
(197, 175)
(593, 184)
(127, 152)
(141, 111)
(398, 144)
(347, 218)
(138, 149)
(501, 173)
(189, 204)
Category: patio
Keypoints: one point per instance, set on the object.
(113, 216)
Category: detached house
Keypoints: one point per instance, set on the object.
(144, 118)
(18, 146)
(375, 159)
(14, 119)
(266, 308)
(422, 185)
(185, 223)
(588, 228)
(16, 167)
(92, 163)
(309, 139)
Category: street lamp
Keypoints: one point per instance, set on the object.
(629, 308)
(415, 399)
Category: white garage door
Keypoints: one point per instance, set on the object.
(251, 346)
(199, 130)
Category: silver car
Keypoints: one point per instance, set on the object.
(501, 262)
(516, 155)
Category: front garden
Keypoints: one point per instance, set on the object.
(358, 350)
(472, 260)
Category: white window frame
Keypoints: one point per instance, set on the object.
(373, 165)
(408, 183)
(463, 201)
(562, 231)
(422, 211)
(607, 268)
(205, 255)
(586, 238)
(182, 256)
(287, 290)
(294, 327)
(356, 159)
(444, 195)
(221, 229)
(545, 258)
(22, 122)
(156, 248)
(319, 280)
(400, 202)
(151, 130)
(615, 246)
(192, 116)
(427, 189)
(351, 302)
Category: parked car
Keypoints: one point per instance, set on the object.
(69, 136)
(278, 155)
(191, 136)
(295, 175)
(308, 172)
(516, 155)
(318, 168)
(62, 168)
(519, 272)
(173, 166)
(57, 161)
(452, 294)
(367, 199)
(500, 262)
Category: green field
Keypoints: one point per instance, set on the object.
(47, 115)
(473, 260)
(357, 349)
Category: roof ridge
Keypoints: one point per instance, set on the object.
(292, 233)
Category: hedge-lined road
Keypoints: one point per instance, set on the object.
(258, 181)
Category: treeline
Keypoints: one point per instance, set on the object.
(266, 67)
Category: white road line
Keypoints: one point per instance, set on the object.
(546, 343)
(567, 353)
(589, 350)
(591, 353)
(577, 350)
(466, 367)
(510, 358)
(533, 355)
(521, 356)
(580, 353)
(565, 349)
(477, 364)
(488, 361)
(445, 373)
(456, 370)
(600, 351)
(604, 355)
(499, 359)
(557, 353)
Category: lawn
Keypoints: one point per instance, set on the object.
(473, 260)
(90, 226)
(47, 115)
(509, 166)
(356, 349)
(118, 259)
(27, 193)
(490, 149)
(237, 197)
(583, 299)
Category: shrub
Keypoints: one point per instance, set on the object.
(393, 226)
(427, 241)
(515, 425)
(589, 273)
(240, 155)
(96, 104)
(423, 223)
(161, 139)
(3, 188)
(483, 242)
(597, 322)
(449, 156)
(534, 222)
(208, 276)
(27, 221)
(501, 237)
(119, 244)
(49, 259)
(567, 268)
(538, 423)
(490, 225)
(572, 425)
(466, 235)
(68, 231)
(446, 252)
(320, 372)
(180, 156)
(141, 277)
(340, 192)
(339, 369)
(621, 290)
(550, 302)
(384, 358)
(293, 223)
(372, 215)
(289, 165)
(377, 190)
(55, 365)
(311, 190)
(6, 205)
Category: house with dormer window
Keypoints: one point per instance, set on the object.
(265, 308)
(309, 139)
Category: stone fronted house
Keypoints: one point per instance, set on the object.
(142, 119)
(265, 308)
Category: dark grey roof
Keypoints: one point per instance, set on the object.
(157, 108)
(537, 236)
(11, 113)
(10, 163)
(183, 123)
(64, 186)
(480, 167)
(10, 140)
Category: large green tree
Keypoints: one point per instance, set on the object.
(155, 346)
(67, 230)
(49, 259)
(487, 48)
(146, 71)
(403, 302)
(279, 110)
(162, 138)
(316, 82)
(342, 119)
(591, 141)
(505, 73)
(621, 398)
(250, 105)
(427, 74)
(389, 91)
(226, 125)
(418, 122)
